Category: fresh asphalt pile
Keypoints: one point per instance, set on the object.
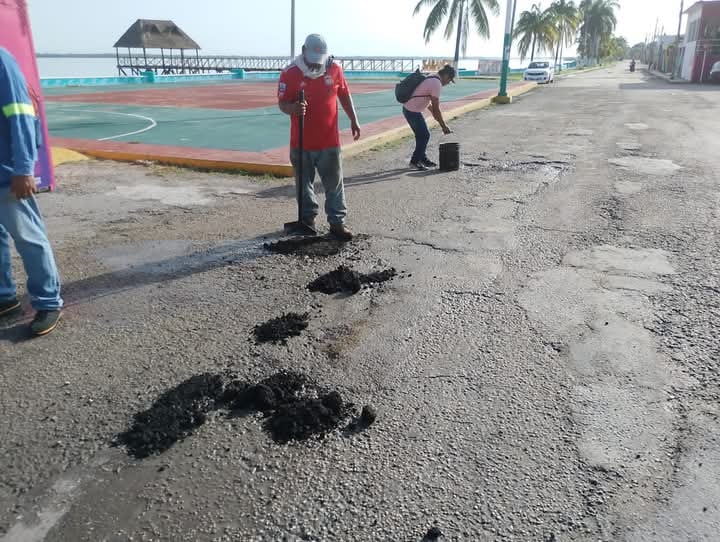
(294, 406)
(281, 328)
(346, 280)
(307, 246)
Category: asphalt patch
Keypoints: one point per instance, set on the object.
(346, 280)
(282, 328)
(434, 533)
(296, 408)
(307, 246)
(173, 416)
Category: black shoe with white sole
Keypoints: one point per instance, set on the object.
(420, 166)
(428, 163)
(44, 322)
(9, 307)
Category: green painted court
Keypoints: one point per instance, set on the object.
(218, 122)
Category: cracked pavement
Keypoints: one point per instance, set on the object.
(546, 368)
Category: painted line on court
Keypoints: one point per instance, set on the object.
(152, 121)
(152, 124)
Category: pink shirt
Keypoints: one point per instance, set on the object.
(431, 87)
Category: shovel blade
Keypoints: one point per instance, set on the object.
(299, 229)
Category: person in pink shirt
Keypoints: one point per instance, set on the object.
(426, 96)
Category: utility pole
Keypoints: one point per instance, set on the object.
(502, 97)
(677, 64)
(682, 9)
(292, 29)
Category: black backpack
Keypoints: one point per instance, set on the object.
(405, 88)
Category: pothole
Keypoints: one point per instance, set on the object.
(612, 208)
(488, 164)
(636, 126)
(646, 166)
(307, 246)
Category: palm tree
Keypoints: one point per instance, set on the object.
(567, 20)
(460, 11)
(599, 22)
(536, 31)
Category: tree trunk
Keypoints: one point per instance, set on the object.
(532, 54)
(557, 51)
(459, 34)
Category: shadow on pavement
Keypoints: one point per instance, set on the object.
(115, 282)
(653, 83)
(288, 191)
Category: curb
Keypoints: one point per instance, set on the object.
(61, 155)
(402, 132)
(285, 169)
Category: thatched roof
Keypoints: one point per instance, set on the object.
(156, 35)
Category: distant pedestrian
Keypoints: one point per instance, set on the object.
(427, 96)
(20, 218)
(324, 84)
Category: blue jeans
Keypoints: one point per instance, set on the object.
(328, 164)
(422, 134)
(21, 221)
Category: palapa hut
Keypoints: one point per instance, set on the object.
(147, 34)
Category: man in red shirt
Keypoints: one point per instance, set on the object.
(324, 84)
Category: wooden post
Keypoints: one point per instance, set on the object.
(162, 56)
(182, 60)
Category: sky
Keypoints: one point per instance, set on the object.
(252, 27)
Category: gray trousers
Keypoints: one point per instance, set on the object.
(328, 164)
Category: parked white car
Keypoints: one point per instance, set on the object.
(715, 73)
(542, 72)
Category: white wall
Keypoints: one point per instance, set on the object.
(691, 33)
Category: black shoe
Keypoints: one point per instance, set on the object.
(340, 232)
(44, 322)
(8, 308)
(420, 166)
(428, 163)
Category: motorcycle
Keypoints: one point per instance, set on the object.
(632, 66)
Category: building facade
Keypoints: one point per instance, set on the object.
(702, 41)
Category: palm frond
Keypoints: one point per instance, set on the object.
(479, 15)
(452, 18)
(435, 19)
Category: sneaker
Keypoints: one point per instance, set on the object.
(420, 166)
(9, 307)
(428, 163)
(310, 221)
(340, 232)
(44, 322)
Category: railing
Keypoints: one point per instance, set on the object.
(167, 64)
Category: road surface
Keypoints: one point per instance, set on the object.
(546, 368)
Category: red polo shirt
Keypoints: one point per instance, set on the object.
(321, 95)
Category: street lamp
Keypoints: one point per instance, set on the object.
(502, 97)
(292, 29)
